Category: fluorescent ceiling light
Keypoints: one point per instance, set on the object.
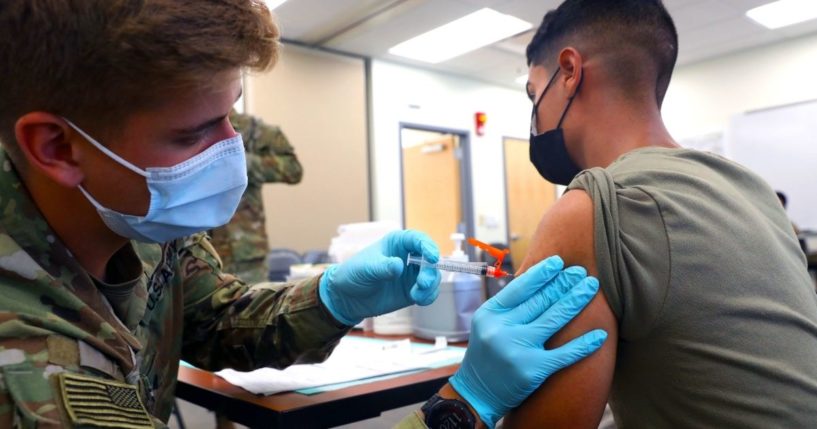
(466, 34)
(783, 13)
(522, 80)
(272, 4)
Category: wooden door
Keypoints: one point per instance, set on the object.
(529, 196)
(432, 198)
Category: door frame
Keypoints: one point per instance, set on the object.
(466, 187)
(505, 139)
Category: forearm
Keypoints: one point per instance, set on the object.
(228, 324)
(575, 396)
(506, 361)
(269, 325)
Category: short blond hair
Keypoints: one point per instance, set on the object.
(96, 61)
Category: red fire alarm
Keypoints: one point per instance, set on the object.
(480, 120)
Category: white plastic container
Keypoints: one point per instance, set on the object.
(395, 323)
(450, 315)
(351, 239)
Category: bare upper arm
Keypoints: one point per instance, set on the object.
(574, 397)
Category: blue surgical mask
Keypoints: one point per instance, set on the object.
(192, 196)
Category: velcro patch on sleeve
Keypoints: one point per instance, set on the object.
(96, 402)
(62, 351)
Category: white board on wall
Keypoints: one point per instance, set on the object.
(780, 144)
(709, 142)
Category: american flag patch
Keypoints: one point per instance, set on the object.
(96, 402)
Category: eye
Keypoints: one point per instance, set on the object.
(190, 139)
(531, 92)
(196, 137)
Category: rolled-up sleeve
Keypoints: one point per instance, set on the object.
(632, 250)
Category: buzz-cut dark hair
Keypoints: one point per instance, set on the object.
(637, 38)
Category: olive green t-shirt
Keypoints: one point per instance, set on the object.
(717, 314)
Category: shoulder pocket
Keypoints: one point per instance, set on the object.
(31, 393)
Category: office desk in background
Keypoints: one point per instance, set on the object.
(294, 410)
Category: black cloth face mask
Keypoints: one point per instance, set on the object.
(548, 152)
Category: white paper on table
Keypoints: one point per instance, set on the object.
(353, 359)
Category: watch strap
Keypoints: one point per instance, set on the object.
(448, 413)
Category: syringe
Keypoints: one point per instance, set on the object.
(478, 268)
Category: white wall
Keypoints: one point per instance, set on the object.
(703, 97)
(706, 108)
(410, 95)
(325, 121)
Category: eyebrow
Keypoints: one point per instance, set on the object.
(207, 124)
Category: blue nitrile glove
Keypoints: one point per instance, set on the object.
(377, 281)
(506, 359)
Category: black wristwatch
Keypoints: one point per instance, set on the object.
(448, 414)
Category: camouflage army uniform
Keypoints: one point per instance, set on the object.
(242, 243)
(77, 352)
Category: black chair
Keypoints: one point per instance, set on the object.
(316, 257)
(279, 261)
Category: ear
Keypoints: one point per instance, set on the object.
(45, 141)
(571, 63)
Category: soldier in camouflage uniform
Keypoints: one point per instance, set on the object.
(242, 243)
(106, 276)
(174, 301)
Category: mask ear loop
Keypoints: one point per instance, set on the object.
(570, 101)
(533, 129)
(122, 161)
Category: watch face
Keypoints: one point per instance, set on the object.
(450, 414)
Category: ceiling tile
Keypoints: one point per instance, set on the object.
(702, 14)
(302, 19)
(378, 35)
(673, 5)
(727, 47)
(530, 10)
(483, 59)
(485, 3)
(798, 30)
(744, 6)
(720, 32)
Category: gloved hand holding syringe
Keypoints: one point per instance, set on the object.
(479, 268)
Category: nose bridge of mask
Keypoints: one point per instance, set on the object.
(119, 160)
(225, 148)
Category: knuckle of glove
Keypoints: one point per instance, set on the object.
(488, 333)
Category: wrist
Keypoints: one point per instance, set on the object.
(325, 295)
(448, 392)
(448, 409)
(486, 413)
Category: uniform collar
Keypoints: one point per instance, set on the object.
(65, 288)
